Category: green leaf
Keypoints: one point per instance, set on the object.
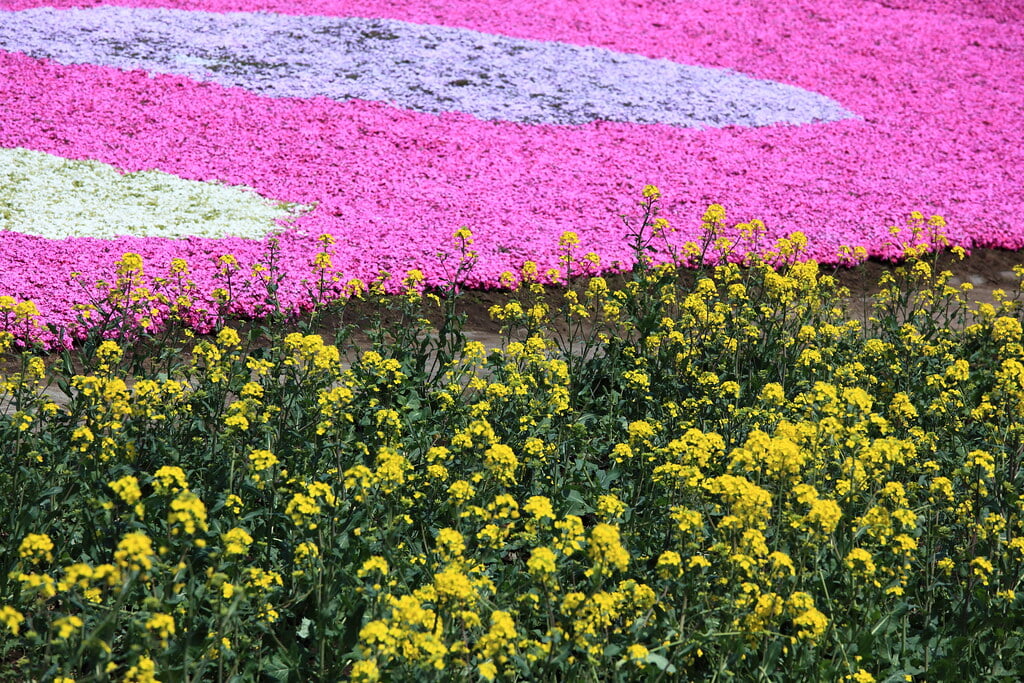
(353, 622)
(278, 668)
(661, 662)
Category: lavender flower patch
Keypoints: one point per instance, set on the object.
(424, 68)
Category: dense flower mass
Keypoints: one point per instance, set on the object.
(58, 198)
(441, 69)
(789, 489)
(874, 108)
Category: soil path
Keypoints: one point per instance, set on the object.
(986, 270)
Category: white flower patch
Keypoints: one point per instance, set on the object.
(50, 196)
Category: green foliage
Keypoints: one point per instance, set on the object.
(709, 472)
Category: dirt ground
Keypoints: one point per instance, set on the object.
(986, 270)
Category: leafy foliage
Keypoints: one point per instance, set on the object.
(707, 473)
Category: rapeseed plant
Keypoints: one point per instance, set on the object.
(703, 473)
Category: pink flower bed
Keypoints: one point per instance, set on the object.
(938, 95)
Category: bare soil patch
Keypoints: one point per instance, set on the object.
(987, 270)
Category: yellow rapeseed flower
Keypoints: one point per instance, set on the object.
(36, 548)
(161, 626)
(542, 562)
(67, 626)
(144, 671)
(11, 618)
(135, 552)
(606, 549)
(236, 541)
(169, 479)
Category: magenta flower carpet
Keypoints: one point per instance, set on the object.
(176, 129)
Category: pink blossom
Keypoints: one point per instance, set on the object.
(939, 93)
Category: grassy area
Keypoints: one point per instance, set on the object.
(696, 476)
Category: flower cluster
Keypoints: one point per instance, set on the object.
(504, 138)
(787, 490)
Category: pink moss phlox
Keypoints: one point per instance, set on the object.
(940, 94)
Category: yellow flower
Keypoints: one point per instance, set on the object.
(67, 626)
(228, 338)
(262, 581)
(127, 489)
(260, 460)
(502, 462)
(488, 670)
(392, 468)
(161, 626)
(454, 586)
(450, 543)
(236, 541)
(35, 548)
(11, 618)
(364, 671)
(715, 213)
(609, 506)
(76, 575)
(503, 507)
(640, 430)
(109, 352)
(306, 551)
(698, 562)
(135, 552)
(169, 479)
(236, 421)
(637, 654)
(492, 536)
(251, 390)
(860, 563)
(188, 511)
(606, 549)
(144, 671)
(539, 507)
(233, 503)
(83, 435)
(42, 585)
(750, 504)
(686, 520)
(825, 515)
(982, 569)
(983, 461)
(904, 544)
(568, 239)
(500, 639)
(808, 620)
(541, 562)
(303, 509)
(374, 564)
(670, 564)
(572, 535)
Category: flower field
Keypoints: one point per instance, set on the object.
(246, 435)
(696, 475)
(518, 120)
